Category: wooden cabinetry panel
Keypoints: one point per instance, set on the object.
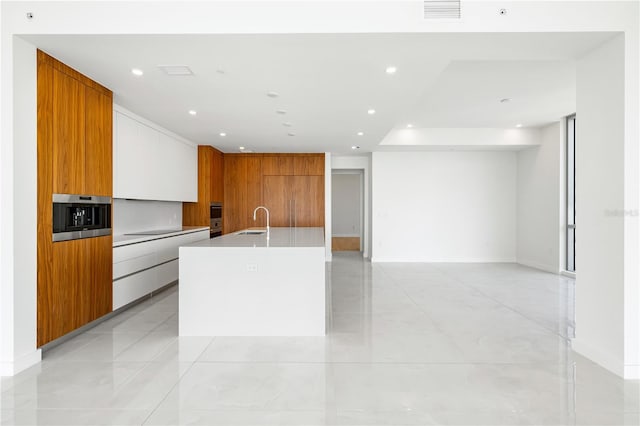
(278, 199)
(74, 133)
(308, 196)
(100, 272)
(98, 143)
(69, 285)
(308, 165)
(277, 165)
(217, 176)
(242, 191)
(68, 134)
(47, 298)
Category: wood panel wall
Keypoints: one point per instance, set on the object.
(74, 149)
(291, 186)
(210, 187)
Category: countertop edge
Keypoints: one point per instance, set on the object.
(145, 238)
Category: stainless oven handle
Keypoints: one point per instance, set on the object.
(76, 235)
(86, 199)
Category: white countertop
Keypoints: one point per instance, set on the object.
(123, 240)
(278, 237)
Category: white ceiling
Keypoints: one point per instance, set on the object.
(326, 83)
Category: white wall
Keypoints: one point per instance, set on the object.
(141, 215)
(18, 320)
(600, 157)
(346, 204)
(360, 163)
(540, 224)
(444, 207)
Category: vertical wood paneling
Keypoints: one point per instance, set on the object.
(217, 176)
(74, 134)
(98, 157)
(69, 277)
(254, 192)
(100, 273)
(278, 199)
(308, 195)
(308, 165)
(277, 165)
(46, 297)
(68, 134)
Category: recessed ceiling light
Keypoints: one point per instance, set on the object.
(137, 72)
(371, 111)
(355, 147)
(193, 112)
(360, 133)
(505, 100)
(291, 134)
(281, 112)
(518, 125)
(286, 124)
(223, 134)
(273, 94)
(241, 148)
(391, 70)
(409, 126)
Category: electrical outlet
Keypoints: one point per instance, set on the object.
(252, 267)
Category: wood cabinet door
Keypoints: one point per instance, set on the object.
(217, 177)
(99, 279)
(234, 196)
(68, 134)
(308, 196)
(98, 143)
(308, 165)
(277, 165)
(70, 275)
(278, 198)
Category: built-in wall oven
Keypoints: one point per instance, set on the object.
(215, 218)
(80, 216)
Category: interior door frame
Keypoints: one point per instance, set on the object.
(360, 173)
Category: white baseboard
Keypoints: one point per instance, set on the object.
(606, 360)
(632, 372)
(22, 363)
(537, 265)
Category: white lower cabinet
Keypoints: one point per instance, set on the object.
(143, 267)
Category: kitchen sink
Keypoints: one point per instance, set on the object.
(252, 232)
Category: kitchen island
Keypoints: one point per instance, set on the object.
(247, 284)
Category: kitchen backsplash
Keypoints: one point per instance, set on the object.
(140, 215)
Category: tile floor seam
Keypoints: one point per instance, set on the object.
(567, 340)
(167, 394)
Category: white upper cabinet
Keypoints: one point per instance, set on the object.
(149, 163)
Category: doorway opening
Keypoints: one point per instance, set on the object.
(347, 210)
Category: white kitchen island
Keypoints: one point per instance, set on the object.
(248, 285)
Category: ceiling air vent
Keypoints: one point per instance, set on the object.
(441, 9)
(174, 70)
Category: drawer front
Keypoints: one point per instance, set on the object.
(134, 287)
(136, 264)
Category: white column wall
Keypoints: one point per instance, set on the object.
(600, 200)
(540, 224)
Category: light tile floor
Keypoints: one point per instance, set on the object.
(462, 344)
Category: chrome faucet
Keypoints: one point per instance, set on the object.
(266, 210)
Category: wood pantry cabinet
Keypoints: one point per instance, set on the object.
(74, 149)
(291, 187)
(210, 187)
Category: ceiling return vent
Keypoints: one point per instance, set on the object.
(441, 9)
(175, 70)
